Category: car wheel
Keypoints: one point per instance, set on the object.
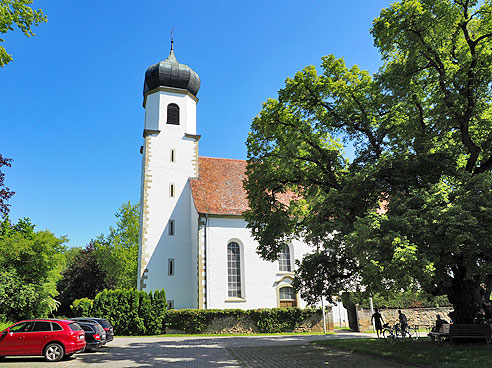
(53, 352)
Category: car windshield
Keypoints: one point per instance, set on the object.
(87, 328)
(104, 323)
(75, 326)
(99, 328)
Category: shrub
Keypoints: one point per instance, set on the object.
(82, 307)
(132, 312)
(187, 320)
(280, 319)
(267, 320)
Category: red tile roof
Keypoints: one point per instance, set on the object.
(219, 187)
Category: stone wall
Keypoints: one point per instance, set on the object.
(245, 324)
(424, 317)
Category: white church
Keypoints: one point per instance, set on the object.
(193, 239)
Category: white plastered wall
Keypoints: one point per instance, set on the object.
(260, 278)
(158, 207)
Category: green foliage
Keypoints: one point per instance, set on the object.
(117, 253)
(5, 193)
(411, 210)
(31, 263)
(5, 324)
(158, 307)
(82, 307)
(18, 13)
(17, 300)
(267, 320)
(406, 299)
(83, 277)
(132, 312)
(280, 319)
(188, 320)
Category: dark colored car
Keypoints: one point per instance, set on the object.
(103, 322)
(95, 336)
(51, 338)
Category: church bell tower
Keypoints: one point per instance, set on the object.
(169, 160)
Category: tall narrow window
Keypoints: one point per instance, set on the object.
(172, 190)
(170, 267)
(234, 270)
(172, 155)
(171, 228)
(284, 259)
(173, 114)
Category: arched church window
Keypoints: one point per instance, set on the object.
(287, 296)
(284, 259)
(173, 114)
(234, 270)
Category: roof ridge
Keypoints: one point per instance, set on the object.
(221, 158)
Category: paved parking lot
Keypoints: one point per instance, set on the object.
(224, 352)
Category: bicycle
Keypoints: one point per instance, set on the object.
(389, 333)
(410, 333)
(395, 333)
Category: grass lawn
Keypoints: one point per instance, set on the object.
(423, 352)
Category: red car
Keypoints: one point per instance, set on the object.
(51, 338)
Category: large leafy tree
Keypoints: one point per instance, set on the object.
(17, 13)
(5, 193)
(30, 264)
(117, 253)
(82, 278)
(413, 208)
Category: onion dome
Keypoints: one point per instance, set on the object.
(170, 73)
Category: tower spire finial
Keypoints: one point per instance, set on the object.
(172, 38)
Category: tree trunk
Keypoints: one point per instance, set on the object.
(466, 296)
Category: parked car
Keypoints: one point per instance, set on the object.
(103, 322)
(95, 336)
(51, 338)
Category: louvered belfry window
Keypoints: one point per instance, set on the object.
(173, 114)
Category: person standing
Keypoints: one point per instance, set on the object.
(403, 322)
(378, 321)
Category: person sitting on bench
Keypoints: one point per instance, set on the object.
(439, 323)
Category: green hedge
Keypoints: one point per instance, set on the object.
(267, 320)
(131, 312)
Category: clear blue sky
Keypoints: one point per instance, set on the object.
(71, 113)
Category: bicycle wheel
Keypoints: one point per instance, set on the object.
(412, 334)
(400, 335)
(389, 336)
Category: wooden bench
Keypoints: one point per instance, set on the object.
(470, 331)
(441, 334)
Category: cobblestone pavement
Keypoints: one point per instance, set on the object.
(217, 352)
